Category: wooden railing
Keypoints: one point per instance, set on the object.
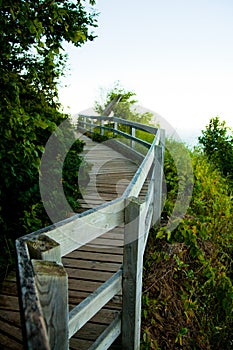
(43, 281)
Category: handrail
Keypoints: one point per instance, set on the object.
(46, 320)
(136, 125)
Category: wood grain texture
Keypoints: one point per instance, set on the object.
(44, 248)
(34, 328)
(52, 286)
(158, 184)
(132, 274)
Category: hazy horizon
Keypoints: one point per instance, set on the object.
(177, 56)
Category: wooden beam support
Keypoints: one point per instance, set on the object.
(42, 247)
(158, 184)
(139, 178)
(33, 325)
(82, 228)
(132, 274)
(101, 127)
(139, 126)
(83, 312)
(52, 286)
(105, 340)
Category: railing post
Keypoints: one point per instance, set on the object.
(132, 274)
(101, 127)
(92, 126)
(158, 181)
(115, 127)
(44, 248)
(33, 325)
(84, 122)
(78, 121)
(52, 287)
(132, 142)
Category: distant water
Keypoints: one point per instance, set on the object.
(189, 137)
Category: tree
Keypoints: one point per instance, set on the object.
(125, 108)
(32, 34)
(31, 62)
(217, 143)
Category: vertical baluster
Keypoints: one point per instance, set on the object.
(84, 122)
(158, 178)
(101, 129)
(115, 128)
(132, 274)
(133, 133)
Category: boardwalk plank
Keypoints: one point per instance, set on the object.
(12, 317)
(88, 274)
(9, 288)
(9, 328)
(114, 250)
(9, 343)
(9, 302)
(90, 265)
(94, 256)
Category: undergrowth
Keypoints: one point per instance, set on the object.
(187, 285)
(32, 215)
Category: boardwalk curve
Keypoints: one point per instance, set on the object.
(93, 270)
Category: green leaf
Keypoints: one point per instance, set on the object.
(41, 124)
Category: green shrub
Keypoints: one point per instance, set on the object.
(188, 292)
(217, 144)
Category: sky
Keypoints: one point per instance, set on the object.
(176, 55)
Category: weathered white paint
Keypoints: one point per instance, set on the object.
(51, 282)
(132, 274)
(83, 312)
(84, 228)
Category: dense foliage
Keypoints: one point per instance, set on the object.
(31, 63)
(188, 292)
(217, 144)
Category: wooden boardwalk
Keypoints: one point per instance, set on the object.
(89, 266)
